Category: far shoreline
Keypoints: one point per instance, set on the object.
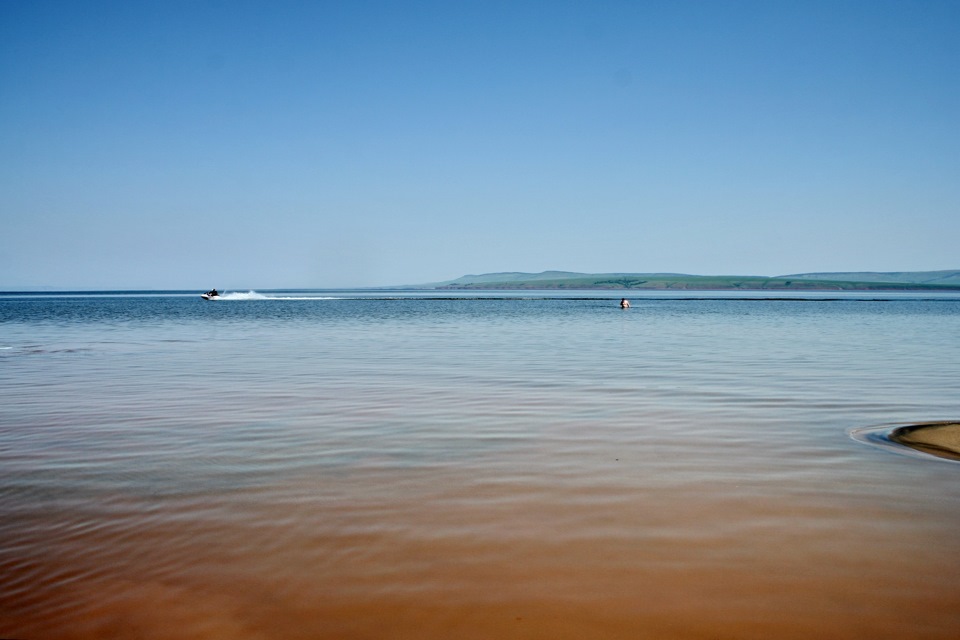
(680, 287)
(945, 280)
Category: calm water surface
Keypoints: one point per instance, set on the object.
(357, 466)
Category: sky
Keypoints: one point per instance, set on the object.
(276, 144)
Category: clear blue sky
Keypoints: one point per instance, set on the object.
(176, 144)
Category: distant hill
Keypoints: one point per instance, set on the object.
(512, 276)
(857, 281)
(546, 277)
(910, 277)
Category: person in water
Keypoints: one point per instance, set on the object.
(624, 303)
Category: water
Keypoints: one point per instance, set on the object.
(404, 465)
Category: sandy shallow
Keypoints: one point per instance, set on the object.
(941, 439)
(414, 471)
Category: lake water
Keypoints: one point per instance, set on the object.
(484, 465)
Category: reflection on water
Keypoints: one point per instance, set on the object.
(524, 468)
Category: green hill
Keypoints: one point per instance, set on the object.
(861, 281)
(909, 277)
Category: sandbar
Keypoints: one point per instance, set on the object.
(939, 439)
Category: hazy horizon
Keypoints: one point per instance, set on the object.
(240, 287)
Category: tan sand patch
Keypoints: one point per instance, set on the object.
(940, 439)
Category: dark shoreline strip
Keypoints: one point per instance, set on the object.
(638, 296)
(639, 299)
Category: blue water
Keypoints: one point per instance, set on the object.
(483, 464)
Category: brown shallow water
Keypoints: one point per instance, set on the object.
(437, 557)
(480, 473)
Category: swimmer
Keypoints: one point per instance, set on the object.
(624, 303)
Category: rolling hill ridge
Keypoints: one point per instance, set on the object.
(948, 280)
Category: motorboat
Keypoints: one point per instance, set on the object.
(213, 294)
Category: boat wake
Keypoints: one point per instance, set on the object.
(253, 295)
